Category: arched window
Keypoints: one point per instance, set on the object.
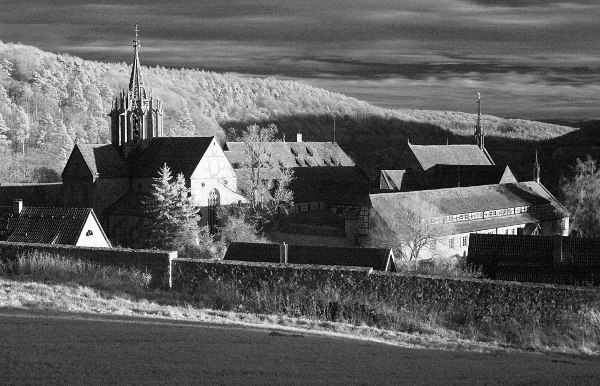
(89, 233)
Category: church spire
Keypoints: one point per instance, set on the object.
(136, 84)
(136, 116)
(479, 136)
(536, 169)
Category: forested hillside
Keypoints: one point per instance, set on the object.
(48, 101)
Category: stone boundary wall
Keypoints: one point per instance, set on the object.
(487, 298)
(158, 263)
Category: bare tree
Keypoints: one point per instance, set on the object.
(582, 197)
(408, 229)
(264, 178)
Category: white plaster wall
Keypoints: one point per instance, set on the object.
(96, 239)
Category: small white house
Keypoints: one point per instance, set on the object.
(66, 226)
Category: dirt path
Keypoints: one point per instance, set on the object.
(52, 348)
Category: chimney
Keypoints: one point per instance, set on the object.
(283, 253)
(17, 206)
(299, 137)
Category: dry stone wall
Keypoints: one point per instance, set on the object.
(155, 262)
(479, 298)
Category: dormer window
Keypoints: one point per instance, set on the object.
(310, 153)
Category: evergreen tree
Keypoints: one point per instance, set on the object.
(172, 213)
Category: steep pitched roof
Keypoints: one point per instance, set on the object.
(540, 203)
(377, 258)
(103, 160)
(182, 155)
(333, 184)
(295, 154)
(450, 176)
(43, 225)
(431, 155)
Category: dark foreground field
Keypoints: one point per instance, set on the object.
(58, 348)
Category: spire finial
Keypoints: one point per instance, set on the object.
(136, 42)
(478, 129)
(536, 168)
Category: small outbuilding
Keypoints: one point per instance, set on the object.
(66, 226)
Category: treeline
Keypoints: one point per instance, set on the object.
(49, 101)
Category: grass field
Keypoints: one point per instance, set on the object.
(44, 282)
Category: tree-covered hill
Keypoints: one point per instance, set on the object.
(47, 101)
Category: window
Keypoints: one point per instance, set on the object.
(89, 233)
(506, 231)
(464, 241)
(432, 245)
(451, 243)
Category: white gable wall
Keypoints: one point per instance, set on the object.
(91, 235)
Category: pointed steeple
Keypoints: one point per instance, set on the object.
(136, 84)
(479, 136)
(536, 169)
(136, 116)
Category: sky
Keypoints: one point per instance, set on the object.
(536, 59)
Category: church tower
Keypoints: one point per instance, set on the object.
(536, 169)
(136, 116)
(478, 128)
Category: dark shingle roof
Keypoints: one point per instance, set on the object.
(335, 184)
(295, 154)
(453, 201)
(527, 249)
(431, 155)
(43, 225)
(103, 160)
(182, 155)
(377, 258)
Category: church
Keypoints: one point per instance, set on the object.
(114, 179)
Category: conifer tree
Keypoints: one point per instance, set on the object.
(172, 213)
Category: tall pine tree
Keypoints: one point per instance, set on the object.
(172, 213)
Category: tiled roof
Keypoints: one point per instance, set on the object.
(431, 155)
(43, 225)
(103, 160)
(472, 199)
(33, 194)
(295, 154)
(528, 249)
(182, 155)
(334, 184)
(376, 258)
(489, 246)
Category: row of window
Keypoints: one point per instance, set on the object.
(489, 213)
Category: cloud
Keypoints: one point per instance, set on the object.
(434, 45)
